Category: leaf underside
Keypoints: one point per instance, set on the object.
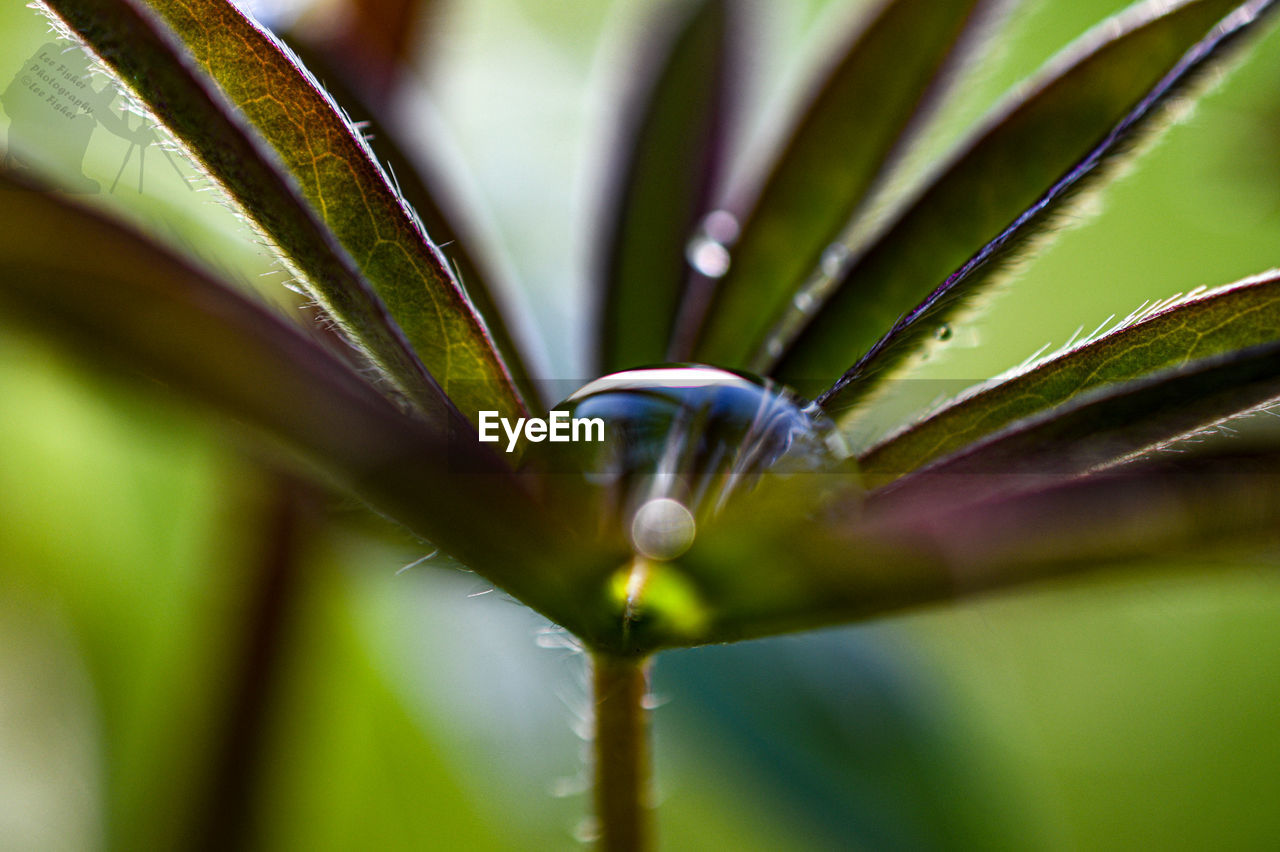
(1237, 316)
(865, 111)
(121, 301)
(858, 564)
(667, 173)
(368, 253)
(1002, 487)
(418, 182)
(1100, 428)
(1111, 86)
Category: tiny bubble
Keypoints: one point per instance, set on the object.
(942, 332)
(804, 302)
(563, 788)
(652, 702)
(708, 257)
(663, 529)
(834, 259)
(720, 226)
(587, 831)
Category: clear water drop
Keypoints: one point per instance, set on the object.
(721, 226)
(662, 529)
(834, 260)
(587, 830)
(678, 441)
(708, 251)
(804, 302)
(708, 257)
(943, 332)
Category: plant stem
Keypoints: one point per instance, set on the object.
(622, 760)
(224, 820)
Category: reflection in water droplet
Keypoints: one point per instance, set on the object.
(804, 302)
(942, 332)
(691, 434)
(708, 257)
(679, 442)
(834, 259)
(662, 529)
(774, 347)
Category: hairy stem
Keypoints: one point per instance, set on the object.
(622, 760)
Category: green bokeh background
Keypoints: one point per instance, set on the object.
(412, 712)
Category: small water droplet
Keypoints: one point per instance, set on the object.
(652, 702)
(804, 302)
(942, 332)
(663, 529)
(708, 256)
(774, 348)
(834, 259)
(571, 785)
(587, 831)
(720, 226)
(679, 439)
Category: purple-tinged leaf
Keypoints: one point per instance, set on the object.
(121, 301)
(668, 168)
(844, 561)
(421, 185)
(860, 118)
(1236, 316)
(1102, 427)
(1037, 152)
(267, 132)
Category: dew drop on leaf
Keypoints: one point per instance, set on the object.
(681, 440)
(707, 256)
(942, 332)
(708, 251)
(834, 259)
(662, 529)
(721, 226)
(804, 302)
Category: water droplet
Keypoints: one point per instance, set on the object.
(720, 226)
(804, 302)
(587, 830)
(663, 529)
(653, 702)
(942, 332)
(774, 347)
(677, 440)
(708, 257)
(567, 786)
(834, 259)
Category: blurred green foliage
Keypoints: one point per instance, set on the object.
(1137, 712)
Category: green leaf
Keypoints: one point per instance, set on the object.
(858, 121)
(321, 154)
(844, 562)
(120, 299)
(668, 169)
(420, 185)
(1236, 316)
(1107, 87)
(1107, 425)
